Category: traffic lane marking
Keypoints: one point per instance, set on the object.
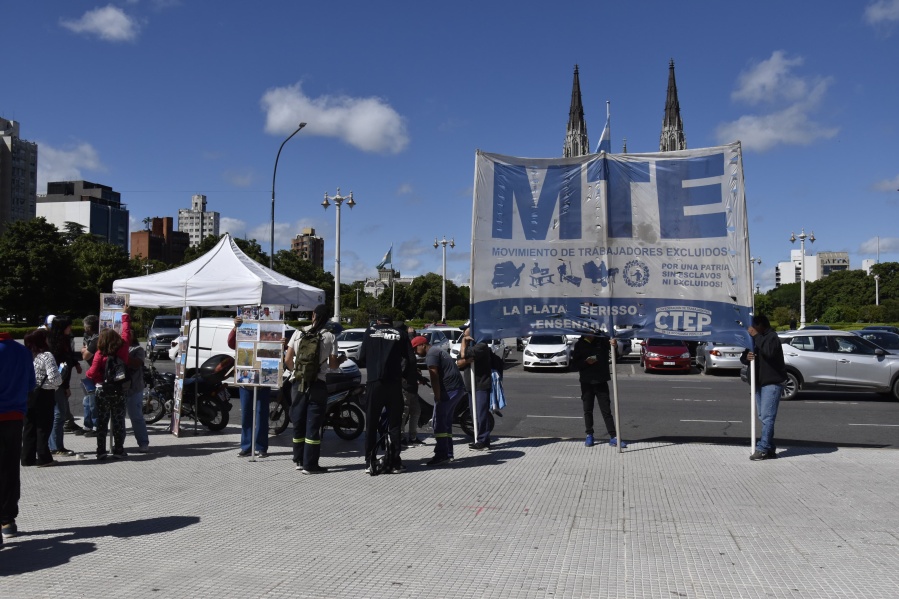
(716, 421)
(861, 424)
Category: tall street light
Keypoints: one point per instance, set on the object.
(802, 237)
(752, 263)
(271, 258)
(452, 244)
(338, 201)
(876, 290)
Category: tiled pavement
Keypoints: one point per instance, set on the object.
(533, 518)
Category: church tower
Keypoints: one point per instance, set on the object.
(672, 126)
(576, 142)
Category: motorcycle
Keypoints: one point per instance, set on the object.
(461, 417)
(344, 413)
(213, 404)
(155, 386)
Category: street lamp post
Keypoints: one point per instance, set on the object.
(876, 290)
(452, 244)
(802, 237)
(271, 258)
(338, 201)
(752, 263)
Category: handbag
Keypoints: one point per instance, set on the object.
(34, 393)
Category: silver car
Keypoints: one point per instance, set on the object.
(837, 361)
(349, 342)
(716, 356)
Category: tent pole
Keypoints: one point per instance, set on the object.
(613, 348)
(752, 414)
(196, 373)
(253, 434)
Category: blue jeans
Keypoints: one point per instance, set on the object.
(443, 420)
(767, 398)
(246, 418)
(60, 412)
(482, 403)
(89, 403)
(134, 405)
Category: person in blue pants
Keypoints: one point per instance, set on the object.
(767, 358)
(449, 389)
(246, 411)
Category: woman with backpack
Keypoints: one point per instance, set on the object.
(112, 353)
(39, 414)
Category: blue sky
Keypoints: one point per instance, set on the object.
(164, 99)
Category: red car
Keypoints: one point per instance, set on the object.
(664, 354)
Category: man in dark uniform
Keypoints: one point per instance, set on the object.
(478, 355)
(590, 358)
(383, 350)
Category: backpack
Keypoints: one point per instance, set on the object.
(115, 375)
(306, 363)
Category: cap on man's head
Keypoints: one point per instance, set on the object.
(420, 340)
(385, 318)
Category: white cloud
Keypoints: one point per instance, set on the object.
(239, 178)
(65, 165)
(887, 245)
(882, 11)
(369, 124)
(235, 226)
(793, 99)
(888, 184)
(404, 189)
(109, 23)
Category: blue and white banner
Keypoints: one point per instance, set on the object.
(654, 245)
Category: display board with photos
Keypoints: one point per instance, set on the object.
(259, 346)
(112, 306)
(180, 367)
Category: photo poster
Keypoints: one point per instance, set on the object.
(259, 346)
(112, 306)
(180, 366)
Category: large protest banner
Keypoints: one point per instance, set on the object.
(655, 243)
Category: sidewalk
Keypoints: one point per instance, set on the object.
(533, 518)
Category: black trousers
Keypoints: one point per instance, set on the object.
(307, 412)
(37, 427)
(10, 482)
(597, 393)
(110, 406)
(383, 394)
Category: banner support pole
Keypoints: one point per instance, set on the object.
(613, 347)
(752, 386)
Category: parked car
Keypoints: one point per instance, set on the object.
(665, 354)
(546, 352)
(497, 346)
(716, 356)
(837, 361)
(349, 342)
(164, 329)
(882, 327)
(816, 327)
(436, 338)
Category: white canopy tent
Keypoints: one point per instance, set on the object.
(223, 277)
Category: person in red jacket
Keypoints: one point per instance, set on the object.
(111, 401)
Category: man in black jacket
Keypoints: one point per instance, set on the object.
(591, 358)
(383, 351)
(767, 357)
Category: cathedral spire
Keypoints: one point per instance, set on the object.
(672, 126)
(576, 143)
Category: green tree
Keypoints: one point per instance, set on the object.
(194, 252)
(72, 231)
(97, 266)
(35, 269)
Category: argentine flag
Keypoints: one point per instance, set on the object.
(388, 258)
(605, 140)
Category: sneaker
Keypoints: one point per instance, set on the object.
(314, 470)
(417, 441)
(588, 442)
(261, 454)
(143, 448)
(9, 530)
(243, 454)
(614, 442)
(298, 467)
(479, 446)
(63, 452)
(102, 455)
(118, 454)
(438, 459)
(70, 426)
(772, 454)
(79, 431)
(371, 471)
(759, 455)
(89, 432)
(398, 469)
(45, 464)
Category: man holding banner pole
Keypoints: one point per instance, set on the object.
(766, 359)
(590, 358)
